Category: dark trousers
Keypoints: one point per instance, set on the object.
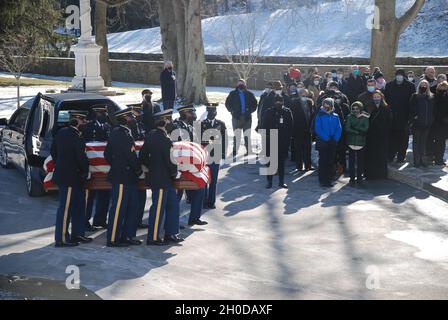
(293, 149)
(398, 145)
(326, 161)
(122, 221)
(281, 170)
(141, 205)
(163, 214)
(356, 163)
(303, 152)
(168, 104)
(71, 209)
(419, 141)
(210, 190)
(341, 153)
(243, 124)
(197, 199)
(439, 144)
(100, 199)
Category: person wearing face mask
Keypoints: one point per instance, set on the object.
(326, 79)
(340, 80)
(163, 226)
(124, 173)
(398, 93)
(310, 76)
(356, 128)
(268, 92)
(376, 152)
(355, 84)
(366, 75)
(303, 113)
(328, 132)
(314, 87)
(149, 109)
(380, 82)
(279, 118)
(241, 103)
(411, 77)
(366, 98)
(293, 75)
(290, 95)
(97, 130)
(70, 174)
(430, 76)
(421, 117)
(440, 126)
(168, 84)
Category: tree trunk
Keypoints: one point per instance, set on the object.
(168, 30)
(101, 40)
(196, 75)
(385, 39)
(179, 17)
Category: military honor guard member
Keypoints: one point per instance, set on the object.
(70, 174)
(149, 108)
(98, 129)
(212, 123)
(125, 169)
(156, 156)
(184, 123)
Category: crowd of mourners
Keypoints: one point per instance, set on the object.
(362, 118)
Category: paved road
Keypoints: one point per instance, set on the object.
(301, 243)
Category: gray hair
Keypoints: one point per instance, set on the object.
(168, 63)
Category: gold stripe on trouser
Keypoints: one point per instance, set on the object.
(159, 207)
(87, 197)
(117, 212)
(67, 206)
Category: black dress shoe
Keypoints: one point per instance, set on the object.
(83, 239)
(155, 242)
(283, 186)
(198, 222)
(91, 228)
(269, 185)
(142, 226)
(66, 244)
(174, 238)
(117, 244)
(100, 225)
(181, 227)
(133, 242)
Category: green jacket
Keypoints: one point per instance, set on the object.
(356, 129)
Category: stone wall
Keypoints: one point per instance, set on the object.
(218, 73)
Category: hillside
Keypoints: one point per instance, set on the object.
(327, 29)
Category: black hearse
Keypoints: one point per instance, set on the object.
(25, 139)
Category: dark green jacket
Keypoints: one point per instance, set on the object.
(356, 129)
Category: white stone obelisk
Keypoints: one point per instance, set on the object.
(87, 55)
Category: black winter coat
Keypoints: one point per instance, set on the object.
(149, 109)
(354, 87)
(68, 152)
(422, 111)
(120, 153)
(233, 104)
(302, 120)
(398, 98)
(156, 156)
(168, 83)
(441, 110)
(282, 120)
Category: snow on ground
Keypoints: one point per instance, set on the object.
(336, 29)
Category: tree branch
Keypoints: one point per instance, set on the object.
(405, 20)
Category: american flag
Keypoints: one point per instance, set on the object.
(191, 160)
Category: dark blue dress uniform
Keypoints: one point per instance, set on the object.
(279, 118)
(125, 169)
(70, 174)
(97, 131)
(164, 211)
(195, 196)
(218, 125)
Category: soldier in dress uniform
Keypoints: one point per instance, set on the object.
(156, 156)
(212, 123)
(98, 129)
(184, 123)
(149, 109)
(125, 169)
(139, 133)
(70, 174)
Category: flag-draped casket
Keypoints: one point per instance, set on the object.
(191, 159)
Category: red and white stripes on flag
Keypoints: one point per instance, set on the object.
(190, 157)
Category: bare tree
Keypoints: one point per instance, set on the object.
(17, 53)
(101, 7)
(385, 38)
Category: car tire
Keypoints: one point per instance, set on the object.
(34, 185)
(4, 157)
